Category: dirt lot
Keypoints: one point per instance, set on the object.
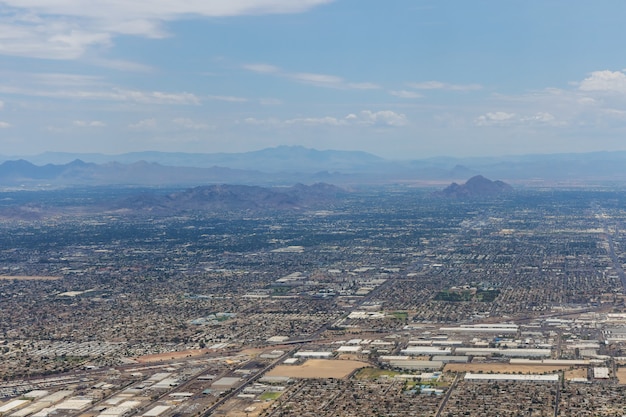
(28, 278)
(576, 373)
(243, 408)
(621, 375)
(501, 368)
(319, 368)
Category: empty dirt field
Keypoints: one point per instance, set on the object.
(621, 375)
(502, 368)
(576, 373)
(319, 368)
(27, 278)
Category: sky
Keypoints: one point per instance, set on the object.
(402, 79)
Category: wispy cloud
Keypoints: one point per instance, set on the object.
(66, 29)
(190, 124)
(145, 124)
(112, 94)
(405, 94)
(89, 123)
(320, 80)
(121, 65)
(438, 85)
(501, 118)
(494, 118)
(262, 68)
(384, 118)
(4, 125)
(230, 99)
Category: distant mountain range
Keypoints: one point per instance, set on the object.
(278, 159)
(286, 165)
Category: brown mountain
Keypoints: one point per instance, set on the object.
(235, 197)
(476, 187)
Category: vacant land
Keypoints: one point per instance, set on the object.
(621, 375)
(319, 368)
(502, 368)
(375, 373)
(577, 373)
(27, 278)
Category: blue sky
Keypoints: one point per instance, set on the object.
(403, 79)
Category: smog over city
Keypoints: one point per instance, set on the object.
(281, 208)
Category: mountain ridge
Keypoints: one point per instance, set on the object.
(289, 164)
(476, 187)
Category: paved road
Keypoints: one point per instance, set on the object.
(447, 396)
(250, 381)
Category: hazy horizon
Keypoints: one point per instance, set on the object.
(406, 158)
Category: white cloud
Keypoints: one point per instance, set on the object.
(605, 81)
(540, 117)
(363, 86)
(71, 88)
(89, 123)
(317, 121)
(302, 121)
(230, 99)
(53, 79)
(190, 124)
(385, 118)
(1, 104)
(262, 68)
(261, 122)
(586, 101)
(121, 65)
(320, 80)
(160, 9)
(317, 79)
(494, 118)
(438, 85)
(501, 118)
(66, 29)
(51, 40)
(145, 124)
(4, 125)
(405, 94)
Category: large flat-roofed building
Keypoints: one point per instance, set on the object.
(482, 328)
(516, 353)
(451, 359)
(313, 354)
(512, 377)
(425, 351)
(601, 373)
(422, 365)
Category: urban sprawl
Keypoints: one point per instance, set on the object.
(389, 303)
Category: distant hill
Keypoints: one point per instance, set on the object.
(234, 197)
(476, 187)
